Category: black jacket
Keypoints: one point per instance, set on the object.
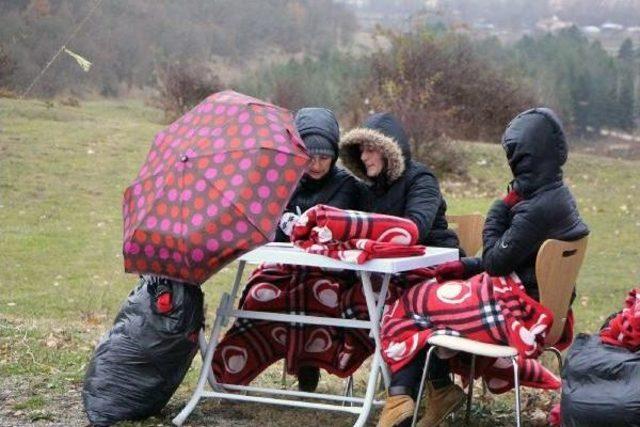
(405, 188)
(337, 188)
(536, 149)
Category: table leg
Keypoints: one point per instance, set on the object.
(206, 374)
(371, 388)
(373, 309)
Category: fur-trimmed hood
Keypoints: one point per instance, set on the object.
(385, 133)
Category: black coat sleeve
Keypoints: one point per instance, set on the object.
(472, 266)
(423, 199)
(520, 237)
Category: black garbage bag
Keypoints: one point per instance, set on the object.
(138, 365)
(600, 384)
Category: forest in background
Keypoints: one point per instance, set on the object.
(441, 83)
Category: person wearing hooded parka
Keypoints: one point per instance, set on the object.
(379, 154)
(323, 183)
(401, 187)
(538, 206)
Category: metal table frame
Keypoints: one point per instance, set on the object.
(287, 254)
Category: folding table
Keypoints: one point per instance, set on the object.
(285, 253)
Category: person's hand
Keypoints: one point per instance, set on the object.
(287, 222)
(452, 270)
(512, 198)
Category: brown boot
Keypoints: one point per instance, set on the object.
(397, 411)
(439, 403)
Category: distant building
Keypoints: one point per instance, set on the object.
(611, 27)
(552, 24)
(591, 29)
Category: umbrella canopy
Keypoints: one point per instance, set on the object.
(214, 186)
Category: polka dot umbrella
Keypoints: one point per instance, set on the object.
(213, 186)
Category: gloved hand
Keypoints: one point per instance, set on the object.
(512, 198)
(287, 222)
(452, 270)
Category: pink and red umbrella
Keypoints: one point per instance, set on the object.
(213, 186)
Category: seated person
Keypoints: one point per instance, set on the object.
(323, 182)
(539, 206)
(379, 153)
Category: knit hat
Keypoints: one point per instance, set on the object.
(318, 145)
(319, 130)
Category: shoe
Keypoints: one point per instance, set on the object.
(439, 403)
(397, 411)
(308, 377)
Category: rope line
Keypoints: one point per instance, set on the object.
(61, 49)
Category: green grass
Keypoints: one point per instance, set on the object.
(62, 174)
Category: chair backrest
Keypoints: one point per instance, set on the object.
(469, 230)
(557, 265)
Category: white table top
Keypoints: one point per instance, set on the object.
(286, 253)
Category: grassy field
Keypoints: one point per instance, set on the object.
(62, 174)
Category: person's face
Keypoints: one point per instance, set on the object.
(319, 166)
(373, 160)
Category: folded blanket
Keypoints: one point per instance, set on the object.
(624, 329)
(493, 310)
(353, 236)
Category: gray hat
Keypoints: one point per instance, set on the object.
(318, 145)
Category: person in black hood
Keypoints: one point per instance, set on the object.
(379, 153)
(323, 183)
(538, 206)
(399, 186)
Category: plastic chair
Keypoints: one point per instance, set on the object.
(557, 266)
(469, 231)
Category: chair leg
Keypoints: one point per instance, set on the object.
(558, 356)
(348, 391)
(472, 372)
(516, 380)
(414, 420)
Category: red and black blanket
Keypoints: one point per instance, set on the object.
(493, 310)
(624, 329)
(250, 346)
(354, 236)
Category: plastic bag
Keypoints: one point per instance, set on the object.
(138, 365)
(600, 384)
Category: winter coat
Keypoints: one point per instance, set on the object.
(404, 188)
(536, 149)
(337, 188)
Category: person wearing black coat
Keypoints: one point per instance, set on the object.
(539, 205)
(323, 183)
(379, 153)
(404, 187)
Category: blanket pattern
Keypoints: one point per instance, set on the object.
(250, 346)
(493, 310)
(624, 329)
(354, 236)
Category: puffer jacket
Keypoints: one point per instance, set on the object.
(338, 187)
(404, 188)
(536, 149)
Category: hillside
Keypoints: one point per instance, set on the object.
(62, 174)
